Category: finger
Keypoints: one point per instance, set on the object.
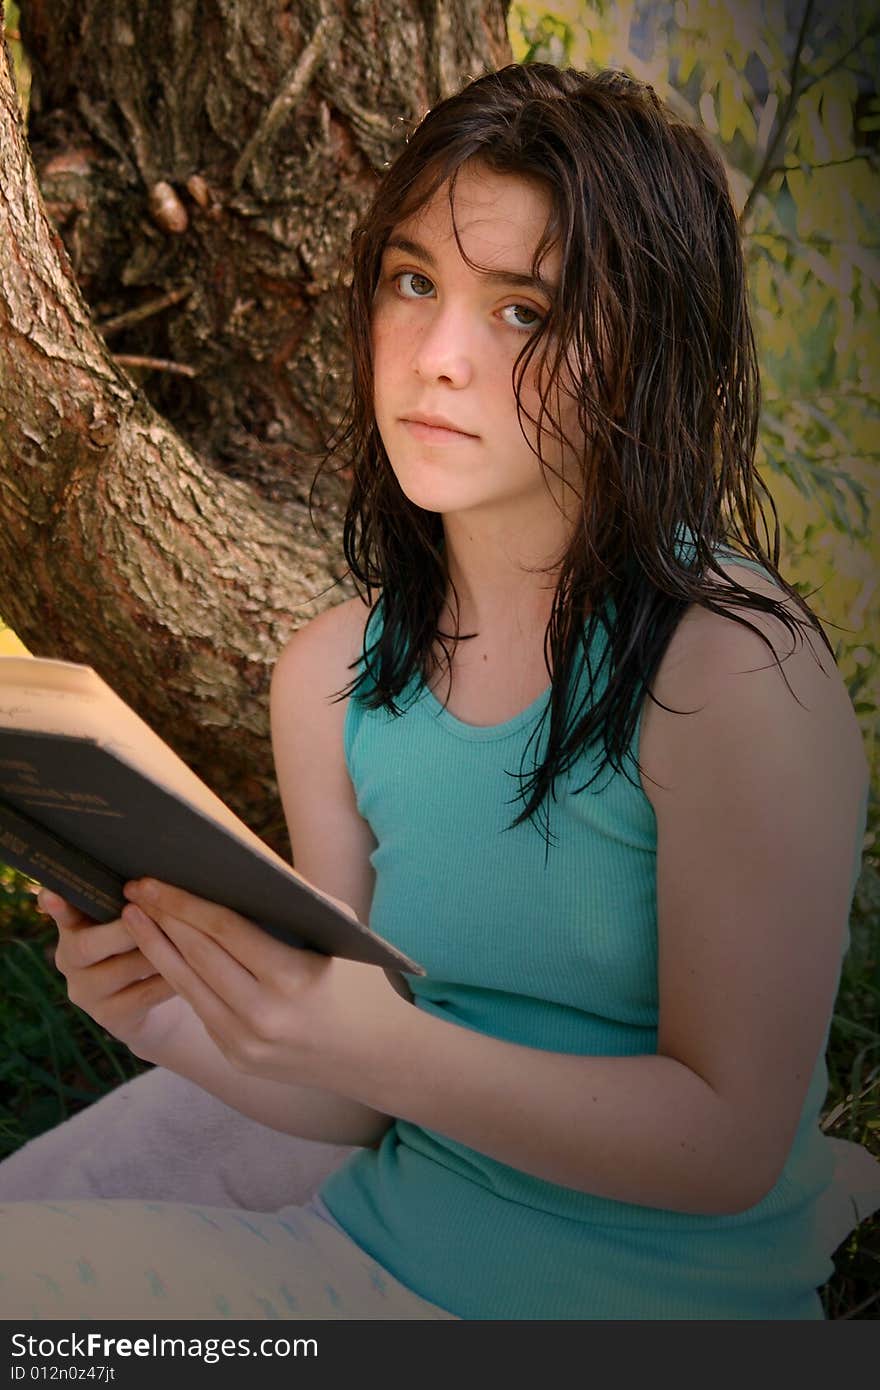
(206, 957)
(169, 959)
(85, 943)
(243, 940)
(59, 909)
(104, 984)
(115, 974)
(106, 974)
(345, 908)
(139, 997)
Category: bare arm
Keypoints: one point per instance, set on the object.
(309, 1112)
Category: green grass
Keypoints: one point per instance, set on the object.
(54, 1060)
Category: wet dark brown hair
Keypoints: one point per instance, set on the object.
(652, 294)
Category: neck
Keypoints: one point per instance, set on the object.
(504, 578)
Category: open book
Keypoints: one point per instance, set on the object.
(91, 796)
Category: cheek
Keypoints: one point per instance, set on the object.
(384, 365)
(393, 345)
(530, 397)
(562, 404)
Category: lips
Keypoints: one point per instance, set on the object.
(435, 427)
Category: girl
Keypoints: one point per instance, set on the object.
(595, 769)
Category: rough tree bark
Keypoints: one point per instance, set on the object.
(202, 163)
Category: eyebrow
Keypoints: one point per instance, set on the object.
(504, 277)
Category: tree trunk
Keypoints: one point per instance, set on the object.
(203, 163)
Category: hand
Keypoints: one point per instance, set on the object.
(274, 1011)
(108, 976)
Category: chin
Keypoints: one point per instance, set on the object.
(432, 493)
(434, 499)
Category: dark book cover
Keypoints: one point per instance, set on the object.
(80, 819)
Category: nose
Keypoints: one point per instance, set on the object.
(445, 349)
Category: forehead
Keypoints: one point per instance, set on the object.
(500, 219)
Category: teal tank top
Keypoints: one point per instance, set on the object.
(557, 952)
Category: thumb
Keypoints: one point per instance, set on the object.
(63, 913)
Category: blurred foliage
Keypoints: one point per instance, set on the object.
(54, 1059)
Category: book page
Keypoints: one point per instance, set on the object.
(61, 697)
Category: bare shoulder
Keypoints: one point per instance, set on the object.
(331, 843)
(323, 649)
(712, 646)
(737, 683)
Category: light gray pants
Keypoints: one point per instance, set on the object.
(161, 1202)
(100, 1260)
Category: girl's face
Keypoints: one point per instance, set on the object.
(445, 338)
